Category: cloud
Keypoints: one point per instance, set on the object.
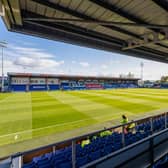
(73, 62)
(30, 52)
(50, 63)
(25, 43)
(103, 66)
(84, 64)
(21, 59)
(114, 61)
(29, 58)
(37, 63)
(26, 65)
(25, 61)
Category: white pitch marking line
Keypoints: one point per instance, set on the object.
(37, 129)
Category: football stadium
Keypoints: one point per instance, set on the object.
(64, 120)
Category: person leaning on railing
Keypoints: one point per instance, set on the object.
(131, 127)
(105, 133)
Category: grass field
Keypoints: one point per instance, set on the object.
(28, 118)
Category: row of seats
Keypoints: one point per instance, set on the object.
(98, 147)
(158, 124)
(162, 163)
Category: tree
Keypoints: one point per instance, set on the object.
(164, 79)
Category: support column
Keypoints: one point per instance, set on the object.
(151, 124)
(54, 148)
(17, 162)
(165, 119)
(151, 152)
(73, 154)
(123, 136)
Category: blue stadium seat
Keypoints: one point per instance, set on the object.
(107, 150)
(95, 155)
(38, 158)
(44, 163)
(49, 155)
(80, 161)
(162, 163)
(65, 165)
(29, 165)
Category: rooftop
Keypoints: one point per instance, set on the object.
(67, 76)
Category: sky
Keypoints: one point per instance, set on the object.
(31, 54)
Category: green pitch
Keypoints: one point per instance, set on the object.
(33, 119)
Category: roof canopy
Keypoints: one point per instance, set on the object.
(71, 77)
(133, 27)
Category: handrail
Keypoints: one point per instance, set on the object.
(83, 136)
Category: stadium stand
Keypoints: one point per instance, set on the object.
(164, 86)
(132, 31)
(53, 87)
(162, 163)
(93, 86)
(76, 85)
(42, 82)
(102, 144)
(38, 87)
(5, 83)
(65, 86)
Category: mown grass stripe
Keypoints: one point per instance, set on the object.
(91, 108)
(125, 106)
(134, 98)
(16, 119)
(161, 92)
(144, 97)
(51, 112)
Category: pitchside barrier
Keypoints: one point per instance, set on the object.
(143, 153)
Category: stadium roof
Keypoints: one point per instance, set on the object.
(133, 27)
(13, 74)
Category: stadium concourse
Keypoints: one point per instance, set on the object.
(129, 27)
